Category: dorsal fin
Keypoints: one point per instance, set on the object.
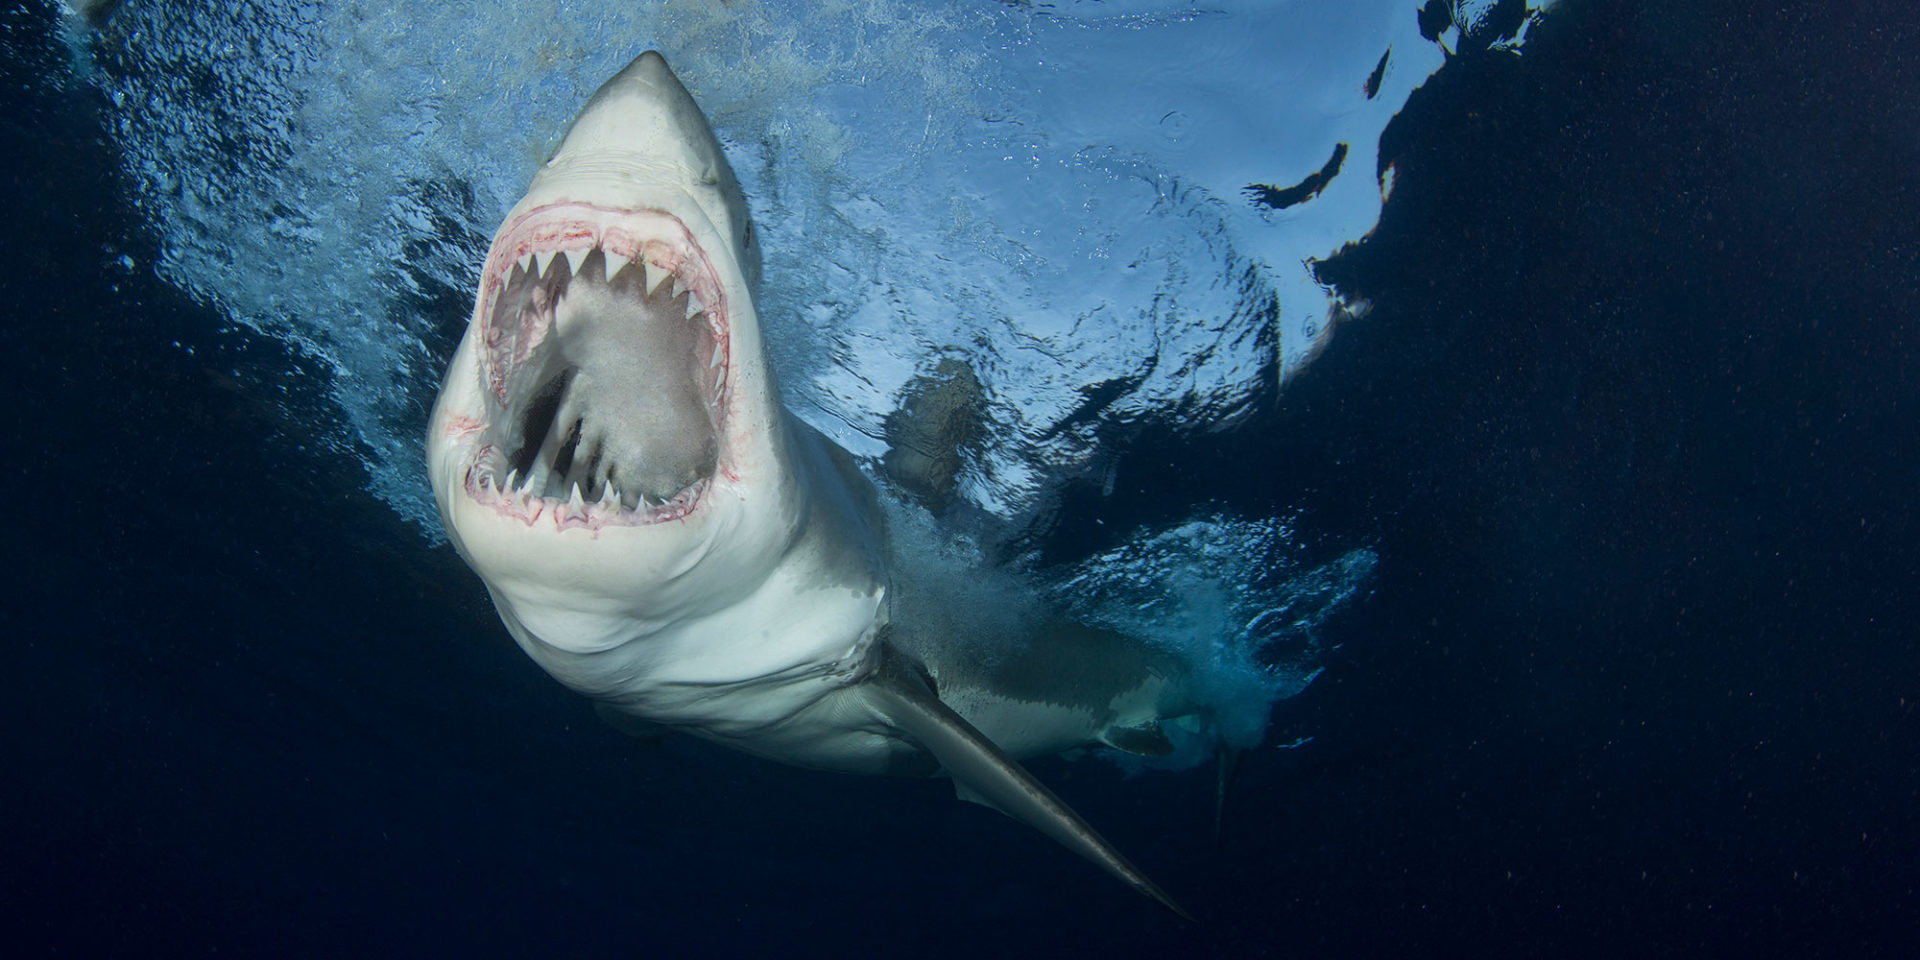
(985, 774)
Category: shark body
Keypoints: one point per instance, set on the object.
(609, 454)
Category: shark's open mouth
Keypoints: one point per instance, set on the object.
(606, 356)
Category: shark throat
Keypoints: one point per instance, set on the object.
(606, 354)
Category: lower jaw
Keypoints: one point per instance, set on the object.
(514, 497)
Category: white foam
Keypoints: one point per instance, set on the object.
(1237, 599)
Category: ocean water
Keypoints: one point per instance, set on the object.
(1542, 484)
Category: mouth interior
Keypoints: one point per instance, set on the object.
(609, 369)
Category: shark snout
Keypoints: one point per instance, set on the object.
(645, 114)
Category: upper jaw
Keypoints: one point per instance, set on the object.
(604, 345)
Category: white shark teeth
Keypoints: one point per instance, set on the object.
(609, 498)
(656, 276)
(575, 258)
(615, 263)
(718, 349)
(575, 500)
(514, 487)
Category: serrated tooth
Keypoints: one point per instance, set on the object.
(574, 258)
(615, 263)
(511, 475)
(525, 262)
(528, 484)
(607, 496)
(575, 500)
(657, 275)
(693, 306)
(718, 348)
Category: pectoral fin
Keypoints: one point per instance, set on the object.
(984, 774)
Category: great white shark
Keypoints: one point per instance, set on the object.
(609, 453)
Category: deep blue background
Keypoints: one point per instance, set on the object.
(1631, 427)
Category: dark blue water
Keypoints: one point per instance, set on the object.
(1631, 425)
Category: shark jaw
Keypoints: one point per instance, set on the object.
(586, 316)
(607, 450)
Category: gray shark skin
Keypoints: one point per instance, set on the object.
(609, 454)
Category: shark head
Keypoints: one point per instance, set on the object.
(607, 449)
